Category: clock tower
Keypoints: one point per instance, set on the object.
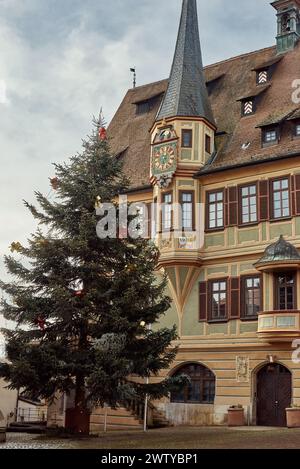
(183, 140)
(183, 134)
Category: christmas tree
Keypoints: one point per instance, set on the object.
(83, 305)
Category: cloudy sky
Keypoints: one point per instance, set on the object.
(60, 60)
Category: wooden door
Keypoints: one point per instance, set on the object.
(274, 395)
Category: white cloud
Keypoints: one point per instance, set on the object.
(61, 61)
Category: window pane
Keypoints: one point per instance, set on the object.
(276, 185)
(187, 137)
(249, 204)
(187, 211)
(216, 208)
(281, 198)
(201, 388)
(286, 291)
(252, 297)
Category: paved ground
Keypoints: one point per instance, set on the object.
(168, 438)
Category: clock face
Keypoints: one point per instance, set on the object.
(164, 158)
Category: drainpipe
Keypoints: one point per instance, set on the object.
(17, 406)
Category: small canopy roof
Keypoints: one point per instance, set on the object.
(280, 254)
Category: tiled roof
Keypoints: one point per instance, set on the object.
(129, 131)
(268, 63)
(255, 91)
(187, 93)
(236, 78)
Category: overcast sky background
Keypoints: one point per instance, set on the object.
(62, 59)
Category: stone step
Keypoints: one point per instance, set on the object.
(120, 411)
(100, 428)
(117, 419)
(114, 420)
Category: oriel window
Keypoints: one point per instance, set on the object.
(167, 212)
(187, 210)
(286, 291)
(207, 143)
(187, 138)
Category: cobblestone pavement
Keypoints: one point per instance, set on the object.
(27, 441)
(167, 438)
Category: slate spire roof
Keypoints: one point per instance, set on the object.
(187, 93)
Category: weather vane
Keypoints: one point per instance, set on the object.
(133, 70)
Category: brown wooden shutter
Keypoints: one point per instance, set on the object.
(242, 296)
(264, 205)
(226, 208)
(233, 206)
(234, 308)
(203, 301)
(295, 193)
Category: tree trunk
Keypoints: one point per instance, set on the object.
(78, 418)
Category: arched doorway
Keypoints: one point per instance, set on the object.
(274, 395)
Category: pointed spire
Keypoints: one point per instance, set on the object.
(187, 93)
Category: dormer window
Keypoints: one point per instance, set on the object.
(147, 105)
(247, 107)
(270, 136)
(297, 130)
(207, 143)
(262, 77)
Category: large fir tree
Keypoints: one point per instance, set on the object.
(90, 339)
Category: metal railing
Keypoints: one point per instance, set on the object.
(30, 415)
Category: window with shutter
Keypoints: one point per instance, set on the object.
(280, 198)
(248, 209)
(251, 297)
(218, 300)
(215, 210)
